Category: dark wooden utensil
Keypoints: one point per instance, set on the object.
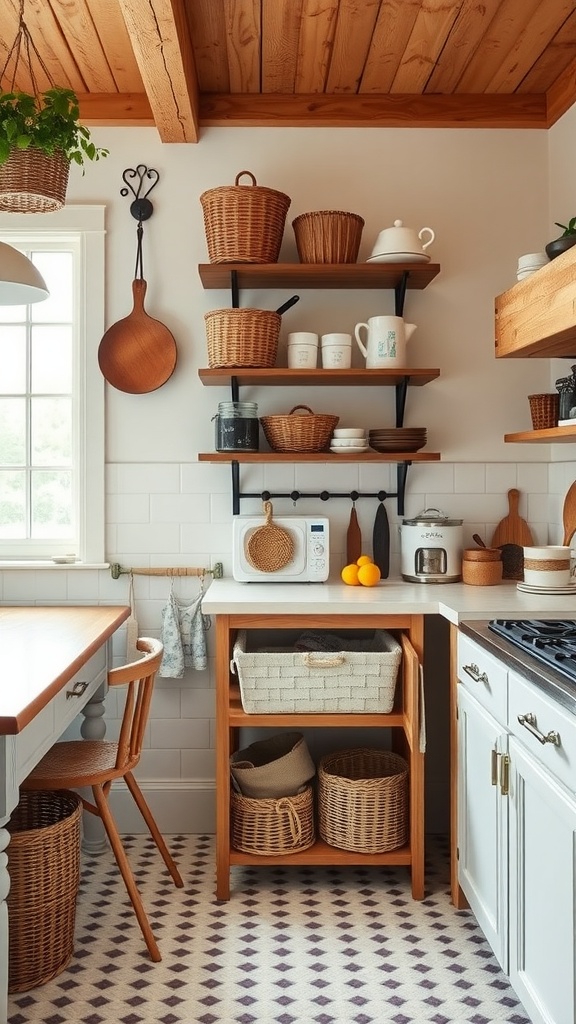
(569, 514)
(137, 354)
(511, 535)
(353, 539)
(381, 541)
(288, 304)
(476, 537)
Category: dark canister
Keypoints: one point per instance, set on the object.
(237, 427)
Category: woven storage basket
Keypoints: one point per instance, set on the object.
(363, 800)
(242, 337)
(44, 869)
(277, 766)
(290, 433)
(328, 236)
(287, 680)
(265, 827)
(33, 182)
(544, 410)
(244, 223)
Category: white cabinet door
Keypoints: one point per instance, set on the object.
(542, 891)
(483, 821)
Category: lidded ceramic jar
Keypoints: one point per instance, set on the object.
(482, 567)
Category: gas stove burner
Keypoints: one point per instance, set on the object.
(552, 642)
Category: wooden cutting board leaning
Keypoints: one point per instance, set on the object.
(569, 514)
(511, 535)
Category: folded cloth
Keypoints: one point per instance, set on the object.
(183, 636)
(277, 766)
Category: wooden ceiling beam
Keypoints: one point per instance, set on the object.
(159, 36)
(369, 111)
(115, 110)
(562, 94)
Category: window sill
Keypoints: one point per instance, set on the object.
(49, 564)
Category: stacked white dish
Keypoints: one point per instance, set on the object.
(529, 263)
(348, 441)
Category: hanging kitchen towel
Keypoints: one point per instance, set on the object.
(132, 652)
(183, 636)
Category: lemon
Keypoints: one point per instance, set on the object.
(364, 560)
(349, 575)
(368, 574)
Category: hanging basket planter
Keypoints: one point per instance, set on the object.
(33, 182)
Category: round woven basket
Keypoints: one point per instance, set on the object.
(242, 337)
(265, 827)
(363, 800)
(33, 182)
(244, 223)
(44, 869)
(269, 547)
(303, 433)
(328, 236)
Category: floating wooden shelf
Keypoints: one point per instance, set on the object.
(284, 377)
(536, 317)
(318, 275)
(552, 435)
(370, 456)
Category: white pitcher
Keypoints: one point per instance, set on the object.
(386, 339)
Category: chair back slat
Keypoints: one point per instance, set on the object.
(140, 676)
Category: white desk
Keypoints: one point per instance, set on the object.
(53, 662)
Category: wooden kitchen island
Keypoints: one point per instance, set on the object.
(53, 662)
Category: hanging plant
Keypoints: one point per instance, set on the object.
(39, 137)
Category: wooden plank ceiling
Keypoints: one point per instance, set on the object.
(185, 64)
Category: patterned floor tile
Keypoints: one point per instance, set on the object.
(297, 945)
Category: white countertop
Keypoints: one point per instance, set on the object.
(454, 601)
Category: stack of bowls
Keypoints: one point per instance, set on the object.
(348, 441)
(397, 439)
(529, 263)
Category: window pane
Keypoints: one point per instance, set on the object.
(12, 431)
(51, 359)
(56, 269)
(51, 504)
(12, 360)
(51, 431)
(12, 504)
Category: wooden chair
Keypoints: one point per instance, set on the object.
(96, 763)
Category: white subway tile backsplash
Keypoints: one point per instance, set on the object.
(532, 477)
(179, 508)
(128, 508)
(186, 733)
(202, 477)
(160, 763)
(142, 478)
(165, 703)
(500, 477)
(469, 479)
(198, 764)
(150, 537)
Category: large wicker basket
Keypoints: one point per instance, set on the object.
(363, 800)
(244, 223)
(242, 337)
(44, 869)
(328, 236)
(33, 182)
(265, 827)
(308, 433)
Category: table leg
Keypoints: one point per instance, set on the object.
(93, 727)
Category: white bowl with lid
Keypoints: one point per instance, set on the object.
(399, 239)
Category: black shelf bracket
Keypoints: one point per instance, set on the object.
(400, 294)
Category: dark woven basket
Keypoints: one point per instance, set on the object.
(33, 182)
(44, 869)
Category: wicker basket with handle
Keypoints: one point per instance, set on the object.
(363, 800)
(269, 826)
(310, 432)
(242, 337)
(244, 223)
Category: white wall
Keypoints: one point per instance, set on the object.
(489, 196)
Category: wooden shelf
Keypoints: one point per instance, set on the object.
(536, 318)
(318, 457)
(238, 717)
(552, 435)
(284, 377)
(321, 854)
(322, 275)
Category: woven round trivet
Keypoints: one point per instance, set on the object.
(269, 547)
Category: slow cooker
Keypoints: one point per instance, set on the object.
(431, 548)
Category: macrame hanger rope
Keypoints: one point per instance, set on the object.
(23, 40)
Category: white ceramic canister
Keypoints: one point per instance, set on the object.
(547, 565)
(431, 548)
(336, 351)
(302, 350)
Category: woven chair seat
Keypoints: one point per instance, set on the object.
(80, 763)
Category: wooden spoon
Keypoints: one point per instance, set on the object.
(569, 514)
(137, 354)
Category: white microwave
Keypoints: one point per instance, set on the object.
(310, 558)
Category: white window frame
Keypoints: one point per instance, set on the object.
(84, 225)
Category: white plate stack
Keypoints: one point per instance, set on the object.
(529, 263)
(349, 441)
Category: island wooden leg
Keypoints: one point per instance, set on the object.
(222, 759)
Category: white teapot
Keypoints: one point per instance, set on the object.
(386, 338)
(399, 239)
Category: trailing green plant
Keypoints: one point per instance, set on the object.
(567, 229)
(48, 122)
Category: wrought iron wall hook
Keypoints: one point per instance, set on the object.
(141, 208)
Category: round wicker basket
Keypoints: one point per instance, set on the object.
(269, 826)
(242, 337)
(328, 236)
(244, 223)
(33, 182)
(363, 800)
(307, 433)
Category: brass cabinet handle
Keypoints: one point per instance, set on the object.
(77, 690)
(504, 774)
(474, 672)
(528, 721)
(495, 757)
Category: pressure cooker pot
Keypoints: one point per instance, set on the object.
(431, 548)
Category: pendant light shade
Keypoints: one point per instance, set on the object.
(20, 281)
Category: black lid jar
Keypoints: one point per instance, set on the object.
(237, 427)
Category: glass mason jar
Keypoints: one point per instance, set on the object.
(237, 428)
